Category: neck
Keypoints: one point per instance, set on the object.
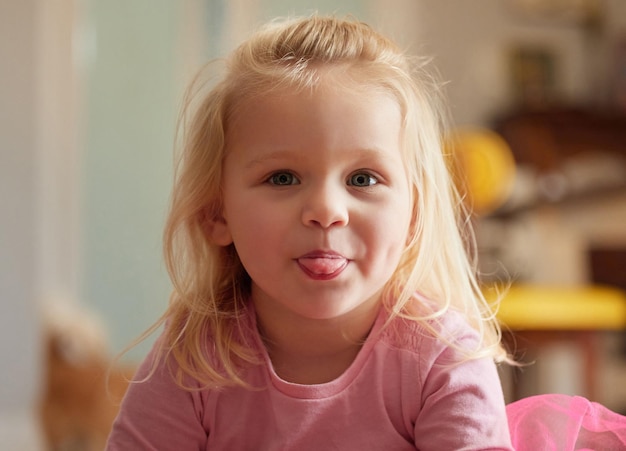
(314, 351)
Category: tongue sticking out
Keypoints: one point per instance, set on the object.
(322, 265)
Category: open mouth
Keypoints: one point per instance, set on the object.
(322, 266)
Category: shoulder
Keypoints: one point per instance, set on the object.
(157, 412)
(428, 330)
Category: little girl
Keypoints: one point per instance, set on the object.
(323, 297)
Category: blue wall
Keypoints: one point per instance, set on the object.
(131, 110)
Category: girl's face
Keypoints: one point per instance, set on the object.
(316, 200)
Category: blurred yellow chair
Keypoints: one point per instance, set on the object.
(538, 315)
(537, 307)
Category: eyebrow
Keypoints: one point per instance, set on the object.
(282, 154)
(267, 157)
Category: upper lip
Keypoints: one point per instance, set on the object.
(322, 254)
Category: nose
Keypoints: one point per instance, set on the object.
(325, 207)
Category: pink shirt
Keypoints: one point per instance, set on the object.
(405, 390)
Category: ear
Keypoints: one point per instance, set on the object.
(217, 231)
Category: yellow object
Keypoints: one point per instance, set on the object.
(537, 307)
(487, 168)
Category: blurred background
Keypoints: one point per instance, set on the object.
(89, 95)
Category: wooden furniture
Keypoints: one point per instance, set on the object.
(546, 139)
(563, 145)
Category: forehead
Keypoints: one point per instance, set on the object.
(326, 116)
(340, 78)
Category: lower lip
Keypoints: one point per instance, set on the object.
(323, 276)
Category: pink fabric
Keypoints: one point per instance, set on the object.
(564, 423)
(406, 390)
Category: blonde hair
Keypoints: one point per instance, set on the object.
(210, 284)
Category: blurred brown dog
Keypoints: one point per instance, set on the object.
(81, 389)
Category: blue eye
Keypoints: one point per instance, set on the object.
(282, 179)
(362, 179)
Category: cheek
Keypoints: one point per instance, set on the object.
(399, 229)
(388, 233)
(252, 224)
